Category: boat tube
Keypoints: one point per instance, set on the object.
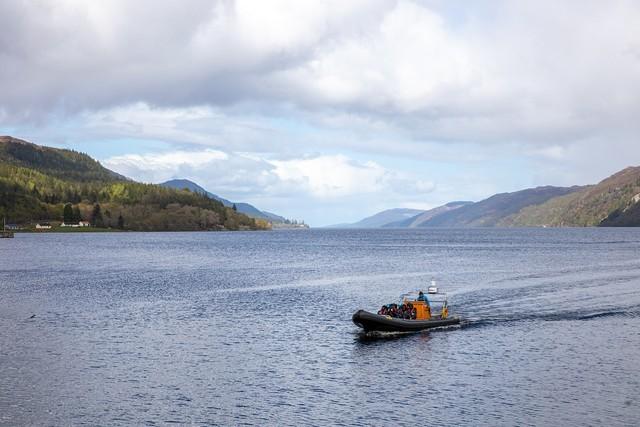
(376, 322)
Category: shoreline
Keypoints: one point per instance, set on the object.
(148, 231)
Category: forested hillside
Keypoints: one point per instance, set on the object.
(37, 182)
(612, 202)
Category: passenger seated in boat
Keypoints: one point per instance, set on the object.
(421, 296)
(401, 312)
(383, 310)
(411, 312)
(394, 310)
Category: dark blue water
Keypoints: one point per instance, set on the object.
(255, 328)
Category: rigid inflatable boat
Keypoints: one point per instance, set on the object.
(376, 322)
(420, 317)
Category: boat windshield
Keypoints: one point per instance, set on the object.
(429, 296)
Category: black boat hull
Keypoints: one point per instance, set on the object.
(376, 322)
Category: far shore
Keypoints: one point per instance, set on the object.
(118, 230)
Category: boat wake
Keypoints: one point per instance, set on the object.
(560, 316)
(554, 299)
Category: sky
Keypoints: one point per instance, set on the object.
(330, 111)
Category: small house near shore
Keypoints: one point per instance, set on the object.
(43, 226)
(76, 225)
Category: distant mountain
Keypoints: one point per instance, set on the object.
(245, 208)
(382, 218)
(612, 202)
(181, 184)
(418, 220)
(490, 212)
(40, 183)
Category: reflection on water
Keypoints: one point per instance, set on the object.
(373, 338)
(255, 328)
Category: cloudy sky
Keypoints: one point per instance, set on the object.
(329, 111)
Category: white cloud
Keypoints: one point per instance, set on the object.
(161, 167)
(339, 176)
(249, 176)
(553, 152)
(331, 176)
(200, 125)
(407, 62)
(481, 73)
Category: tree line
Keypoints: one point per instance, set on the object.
(27, 195)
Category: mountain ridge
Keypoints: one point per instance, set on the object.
(42, 183)
(242, 207)
(489, 212)
(381, 218)
(614, 201)
(611, 202)
(421, 218)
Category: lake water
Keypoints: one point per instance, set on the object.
(255, 328)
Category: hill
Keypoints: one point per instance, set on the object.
(491, 211)
(612, 202)
(36, 183)
(59, 163)
(382, 218)
(421, 218)
(615, 201)
(496, 210)
(241, 207)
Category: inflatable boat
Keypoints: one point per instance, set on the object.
(413, 314)
(376, 322)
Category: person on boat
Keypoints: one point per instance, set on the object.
(394, 310)
(421, 296)
(411, 312)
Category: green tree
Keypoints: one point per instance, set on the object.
(77, 216)
(96, 216)
(234, 207)
(67, 214)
